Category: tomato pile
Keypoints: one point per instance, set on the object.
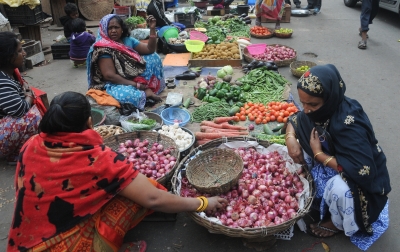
(259, 30)
(262, 114)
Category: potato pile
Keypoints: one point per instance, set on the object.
(225, 50)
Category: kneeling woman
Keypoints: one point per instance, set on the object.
(347, 163)
(75, 194)
(19, 117)
(127, 69)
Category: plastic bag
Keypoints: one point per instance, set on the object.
(170, 16)
(128, 124)
(140, 34)
(61, 38)
(112, 113)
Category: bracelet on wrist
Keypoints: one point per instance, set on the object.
(316, 154)
(203, 204)
(327, 160)
(153, 36)
(286, 138)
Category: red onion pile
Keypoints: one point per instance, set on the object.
(154, 161)
(276, 52)
(266, 195)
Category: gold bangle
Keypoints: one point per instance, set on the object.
(318, 154)
(290, 132)
(201, 205)
(286, 138)
(327, 160)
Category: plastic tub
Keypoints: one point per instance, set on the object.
(174, 114)
(196, 35)
(194, 45)
(98, 117)
(172, 32)
(256, 49)
(242, 9)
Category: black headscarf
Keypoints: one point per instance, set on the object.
(352, 136)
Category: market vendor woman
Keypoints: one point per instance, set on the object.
(128, 70)
(19, 117)
(335, 138)
(73, 193)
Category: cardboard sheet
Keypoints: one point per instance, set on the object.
(176, 59)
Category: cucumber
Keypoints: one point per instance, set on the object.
(186, 104)
(267, 130)
(234, 110)
(278, 127)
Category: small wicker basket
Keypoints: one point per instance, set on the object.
(215, 171)
(153, 137)
(283, 35)
(295, 64)
(249, 58)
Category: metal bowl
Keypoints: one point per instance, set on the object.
(300, 13)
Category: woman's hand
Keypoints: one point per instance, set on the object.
(295, 151)
(151, 22)
(216, 202)
(315, 143)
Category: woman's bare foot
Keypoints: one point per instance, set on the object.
(326, 229)
(139, 246)
(150, 94)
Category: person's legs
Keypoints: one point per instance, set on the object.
(317, 6)
(365, 19)
(338, 197)
(297, 3)
(374, 10)
(310, 4)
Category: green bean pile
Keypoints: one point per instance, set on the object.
(266, 86)
(209, 111)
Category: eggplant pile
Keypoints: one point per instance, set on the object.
(257, 64)
(245, 18)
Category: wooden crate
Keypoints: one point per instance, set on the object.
(285, 17)
(215, 12)
(214, 62)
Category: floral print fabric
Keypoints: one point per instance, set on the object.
(16, 131)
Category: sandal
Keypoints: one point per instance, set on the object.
(362, 44)
(310, 231)
(139, 246)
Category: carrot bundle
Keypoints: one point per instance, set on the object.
(219, 127)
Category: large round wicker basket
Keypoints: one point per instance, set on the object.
(247, 233)
(272, 32)
(215, 171)
(247, 57)
(296, 64)
(153, 137)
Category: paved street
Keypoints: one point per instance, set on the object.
(372, 77)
